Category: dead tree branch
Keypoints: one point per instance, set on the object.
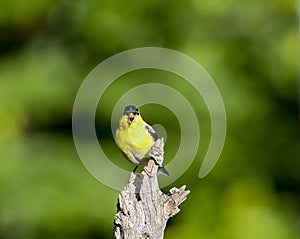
(143, 209)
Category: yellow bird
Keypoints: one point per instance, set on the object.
(135, 138)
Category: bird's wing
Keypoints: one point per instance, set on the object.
(151, 132)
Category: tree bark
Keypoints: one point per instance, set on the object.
(143, 209)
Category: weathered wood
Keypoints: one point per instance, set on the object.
(143, 209)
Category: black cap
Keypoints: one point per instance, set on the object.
(131, 109)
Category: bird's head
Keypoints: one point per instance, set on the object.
(132, 113)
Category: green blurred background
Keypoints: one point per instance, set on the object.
(250, 48)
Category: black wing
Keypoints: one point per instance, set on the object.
(152, 132)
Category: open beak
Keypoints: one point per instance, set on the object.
(131, 117)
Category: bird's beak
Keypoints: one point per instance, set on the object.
(131, 117)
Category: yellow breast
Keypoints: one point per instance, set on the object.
(134, 140)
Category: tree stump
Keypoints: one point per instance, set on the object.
(143, 209)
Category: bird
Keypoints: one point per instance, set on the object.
(135, 138)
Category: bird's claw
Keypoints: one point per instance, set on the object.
(132, 177)
(147, 171)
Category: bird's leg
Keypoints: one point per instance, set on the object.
(135, 168)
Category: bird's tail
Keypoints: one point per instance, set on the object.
(162, 170)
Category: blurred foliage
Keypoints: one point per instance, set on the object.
(249, 48)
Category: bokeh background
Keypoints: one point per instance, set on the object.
(250, 48)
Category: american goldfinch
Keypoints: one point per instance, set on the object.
(135, 138)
